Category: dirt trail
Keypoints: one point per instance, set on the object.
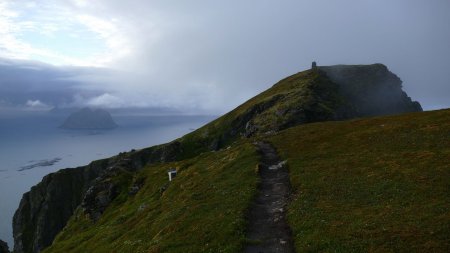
(268, 230)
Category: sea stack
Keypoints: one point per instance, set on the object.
(88, 118)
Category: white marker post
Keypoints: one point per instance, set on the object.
(172, 173)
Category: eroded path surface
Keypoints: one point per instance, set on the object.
(268, 230)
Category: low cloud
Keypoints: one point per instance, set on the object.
(105, 100)
(37, 105)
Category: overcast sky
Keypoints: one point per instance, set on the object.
(209, 56)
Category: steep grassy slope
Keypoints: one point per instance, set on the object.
(378, 185)
(309, 96)
(303, 97)
(326, 93)
(202, 209)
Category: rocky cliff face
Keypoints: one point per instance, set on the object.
(3, 247)
(46, 208)
(371, 90)
(319, 94)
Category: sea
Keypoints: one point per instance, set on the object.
(32, 145)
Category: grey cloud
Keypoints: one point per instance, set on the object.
(213, 55)
(22, 83)
(242, 47)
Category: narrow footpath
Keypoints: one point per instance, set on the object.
(268, 230)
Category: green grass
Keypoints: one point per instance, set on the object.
(202, 210)
(378, 184)
(370, 185)
(307, 96)
(367, 185)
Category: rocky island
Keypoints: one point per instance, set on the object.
(88, 118)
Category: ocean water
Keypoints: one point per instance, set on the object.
(32, 145)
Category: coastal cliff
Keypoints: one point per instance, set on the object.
(320, 94)
(46, 208)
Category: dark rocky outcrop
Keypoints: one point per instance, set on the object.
(98, 197)
(103, 189)
(87, 118)
(46, 208)
(3, 247)
(371, 90)
(319, 94)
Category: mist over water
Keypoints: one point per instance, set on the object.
(29, 138)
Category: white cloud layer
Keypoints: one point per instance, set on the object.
(34, 31)
(37, 105)
(105, 100)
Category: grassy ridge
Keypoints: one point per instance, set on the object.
(202, 210)
(377, 185)
(307, 96)
(315, 95)
(368, 185)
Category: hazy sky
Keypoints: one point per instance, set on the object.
(209, 56)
